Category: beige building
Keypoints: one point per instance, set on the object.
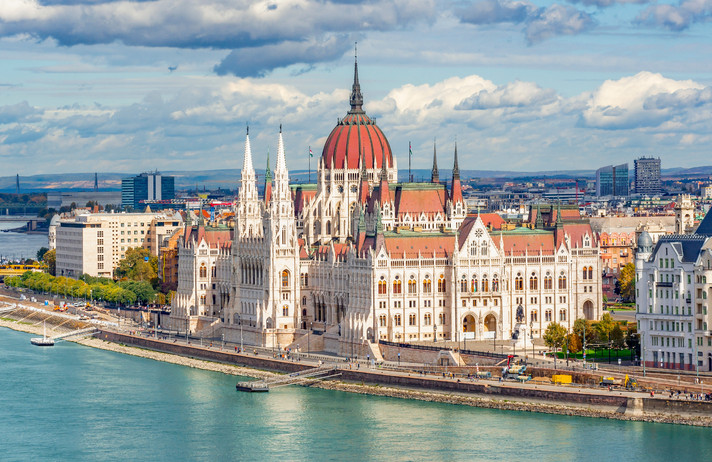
(93, 244)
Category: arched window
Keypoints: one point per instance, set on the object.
(485, 284)
(203, 270)
(382, 320)
(412, 285)
(382, 286)
(214, 271)
(562, 315)
(590, 272)
(473, 249)
(202, 299)
(397, 320)
(548, 282)
(427, 285)
(411, 319)
(533, 282)
(285, 310)
(495, 283)
(562, 282)
(305, 280)
(518, 282)
(428, 319)
(534, 316)
(328, 227)
(473, 283)
(585, 272)
(463, 284)
(483, 248)
(397, 286)
(441, 284)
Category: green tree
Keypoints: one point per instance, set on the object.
(605, 326)
(581, 325)
(617, 336)
(554, 335)
(631, 337)
(41, 253)
(626, 283)
(574, 343)
(50, 259)
(141, 289)
(138, 265)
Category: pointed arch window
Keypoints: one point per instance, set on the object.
(485, 284)
(562, 282)
(548, 282)
(519, 282)
(412, 285)
(463, 284)
(203, 270)
(382, 286)
(473, 283)
(285, 278)
(484, 248)
(397, 286)
(590, 272)
(427, 285)
(473, 249)
(441, 284)
(495, 283)
(533, 282)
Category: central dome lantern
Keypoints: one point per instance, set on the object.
(354, 136)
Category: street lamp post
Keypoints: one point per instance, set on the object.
(531, 336)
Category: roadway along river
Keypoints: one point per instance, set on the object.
(71, 402)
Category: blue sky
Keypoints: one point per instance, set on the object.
(104, 85)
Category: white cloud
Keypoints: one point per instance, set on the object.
(540, 23)
(677, 17)
(642, 100)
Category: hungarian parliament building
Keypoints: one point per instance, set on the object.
(359, 258)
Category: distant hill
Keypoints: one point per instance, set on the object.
(230, 178)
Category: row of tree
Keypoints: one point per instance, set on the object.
(604, 332)
(90, 288)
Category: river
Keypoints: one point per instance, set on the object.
(19, 245)
(71, 402)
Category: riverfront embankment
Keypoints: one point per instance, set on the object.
(398, 384)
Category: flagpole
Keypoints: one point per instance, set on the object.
(410, 155)
(310, 155)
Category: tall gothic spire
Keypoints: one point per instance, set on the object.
(434, 174)
(455, 167)
(281, 161)
(247, 160)
(356, 96)
(268, 172)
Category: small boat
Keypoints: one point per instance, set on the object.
(252, 387)
(44, 340)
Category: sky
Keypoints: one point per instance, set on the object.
(131, 86)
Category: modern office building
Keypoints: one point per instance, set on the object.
(94, 243)
(612, 180)
(647, 176)
(150, 186)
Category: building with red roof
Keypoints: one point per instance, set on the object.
(359, 258)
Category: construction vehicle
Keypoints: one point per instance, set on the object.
(515, 371)
(630, 383)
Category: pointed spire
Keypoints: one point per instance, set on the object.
(559, 222)
(384, 171)
(268, 172)
(356, 99)
(281, 161)
(539, 220)
(434, 174)
(456, 168)
(247, 161)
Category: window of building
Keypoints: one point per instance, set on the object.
(562, 282)
(562, 315)
(473, 283)
(203, 271)
(412, 320)
(534, 316)
(397, 286)
(518, 282)
(382, 286)
(533, 282)
(441, 284)
(285, 278)
(427, 319)
(397, 320)
(427, 285)
(285, 310)
(412, 285)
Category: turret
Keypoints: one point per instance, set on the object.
(434, 174)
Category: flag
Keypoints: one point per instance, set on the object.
(410, 150)
(311, 154)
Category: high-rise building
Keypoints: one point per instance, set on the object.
(612, 180)
(647, 175)
(146, 186)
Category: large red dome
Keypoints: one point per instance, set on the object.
(356, 135)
